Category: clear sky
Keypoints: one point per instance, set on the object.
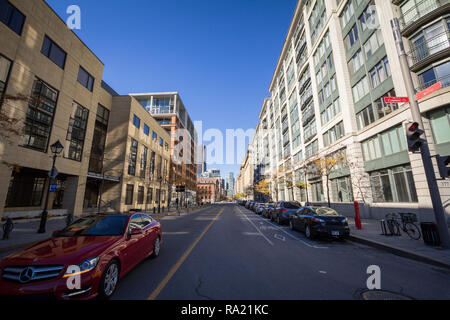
(219, 55)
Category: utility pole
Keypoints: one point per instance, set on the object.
(439, 212)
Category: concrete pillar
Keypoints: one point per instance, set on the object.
(74, 195)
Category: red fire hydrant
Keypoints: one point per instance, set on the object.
(357, 216)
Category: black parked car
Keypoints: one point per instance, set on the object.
(320, 221)
(284, 210)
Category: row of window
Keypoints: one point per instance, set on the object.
(334, 134)
(156, 194)
(160, 167)
(375, 111)
(146, 129)
(330, 112)
(384, 144)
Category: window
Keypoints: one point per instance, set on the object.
(144, 156)
(99, 140)
(440, 125)
(154, 135)
(140, 199)
(380, 72)
(133, 157)
(146, 130)
(26, 189)
(76, 132)
(311, 149)
(149, 195)
(5, 66)
(136, 121)
(334, 134)
(356, 62)
(384, 144)
(435, 74)
(161, 142)
(351, 37)
(341, 189)
(375, 41)
(85, 79)
(361, 89)
(39, 117)
(393, 185)
(347, 14)
(11, 17)
(52, 51)
(129, 195)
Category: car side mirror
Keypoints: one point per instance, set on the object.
(135, 231)
(55, 233)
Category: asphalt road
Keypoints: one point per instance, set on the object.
(227, 252)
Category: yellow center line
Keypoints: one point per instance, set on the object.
(174, 269)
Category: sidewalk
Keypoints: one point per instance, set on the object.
(399, 245)
(25, 231)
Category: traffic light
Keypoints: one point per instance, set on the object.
(413, 135)
(443, 165)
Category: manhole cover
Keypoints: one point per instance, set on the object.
(383, 295)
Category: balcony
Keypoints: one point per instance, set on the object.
(305, 80)
(428, 51)
(308, 114)
(306, 97)
(445, 81)
(422, 12)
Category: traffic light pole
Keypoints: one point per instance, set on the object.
(439, 212)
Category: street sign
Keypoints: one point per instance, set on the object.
(396, 99)
(53, 173)
(53, 188)
(429, 90)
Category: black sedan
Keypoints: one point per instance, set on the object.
(283, 211)
(320, 221)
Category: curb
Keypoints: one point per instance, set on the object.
(400, 252)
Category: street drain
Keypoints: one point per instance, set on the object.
(383, 295)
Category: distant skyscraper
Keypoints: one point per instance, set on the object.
(230, 185)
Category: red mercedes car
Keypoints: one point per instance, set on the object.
(96, 251)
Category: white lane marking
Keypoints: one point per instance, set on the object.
(174, 233)
(259, 231)
(279, 237)
(290, 235)
(324, 272)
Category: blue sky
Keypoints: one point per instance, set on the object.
(219, 55)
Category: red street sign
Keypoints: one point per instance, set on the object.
(429, 90)
(396, 99)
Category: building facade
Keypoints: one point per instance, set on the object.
(327, 101)
(169, 111)
(51, 90)
(209, 190)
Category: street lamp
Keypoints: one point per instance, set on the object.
(56, 149)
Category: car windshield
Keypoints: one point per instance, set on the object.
(323, 211)
(96, 226)
(291, 205)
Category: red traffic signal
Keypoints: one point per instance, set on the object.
(413, 136)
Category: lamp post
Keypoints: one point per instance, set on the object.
(56, 149)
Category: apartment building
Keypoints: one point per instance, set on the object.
(169, 111)
(52, 90)
(338, 62)
(245, 178)
(137, 149)
(208, 190)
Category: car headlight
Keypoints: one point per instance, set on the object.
(345, 221)
(83, 267)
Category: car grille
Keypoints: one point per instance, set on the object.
(31, 273)
(334, 223)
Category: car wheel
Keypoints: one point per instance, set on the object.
(156, 248)
(108, 283)
(291, 225)
(308, 232)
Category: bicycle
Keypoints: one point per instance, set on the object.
(407, 225)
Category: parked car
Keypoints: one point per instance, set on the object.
(266, 212)
(249, 204)
(283, 211)
(255, 205)
(320, 221)
(259, 209)
(100, 249)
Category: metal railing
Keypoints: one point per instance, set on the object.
(421, 9)
(423, 50)
(306, 97)
(444, 80)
